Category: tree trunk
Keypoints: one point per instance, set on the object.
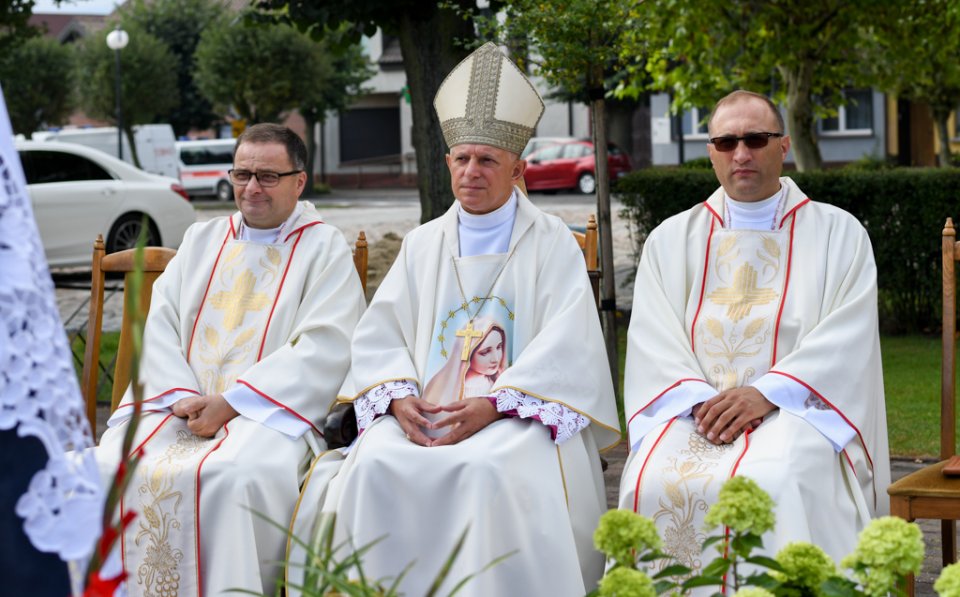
(801, 120)
(608, 287)
(429, 53)
(311, 124)
(940, 118)
(128, 132)
(620, 123)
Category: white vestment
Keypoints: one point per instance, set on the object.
(727, 308)
(276, 318)
(514, 488)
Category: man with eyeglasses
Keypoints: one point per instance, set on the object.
(753, 350)
(246, 344)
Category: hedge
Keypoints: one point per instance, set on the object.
(903, 210)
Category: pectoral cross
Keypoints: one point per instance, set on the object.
(468, 334)
(240, 299)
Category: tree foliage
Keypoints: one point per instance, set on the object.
(148, 79)
(260, 72)
(179, 24)
(14, 26)
(36, 78)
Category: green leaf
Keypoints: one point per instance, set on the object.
(766, 562)
(674, 570)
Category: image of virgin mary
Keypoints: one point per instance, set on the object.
(472, 372)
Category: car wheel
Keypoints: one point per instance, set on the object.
(224, 190)
(587, 183)
(126, 232)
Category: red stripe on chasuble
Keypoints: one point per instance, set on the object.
(726, 530)
(276, 298)
(283, 406)
(793, 211)
(636, 489)
(123, 536)
(786, 286)
(302, 228)
(159, 396)
(203, 301)
(196, 505)
(658, 396)
(703, 282)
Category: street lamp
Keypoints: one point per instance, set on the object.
(116, 41)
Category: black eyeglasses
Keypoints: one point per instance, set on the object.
(751, 140)
(265, 178)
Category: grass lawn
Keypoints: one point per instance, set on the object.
(911, 375)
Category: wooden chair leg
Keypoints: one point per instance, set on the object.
(948, 537)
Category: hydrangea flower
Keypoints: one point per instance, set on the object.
(805, 566)
(627, 582)
(888, 548)
(753, 592)
(743, 507)
(623, 534)
(948, 585)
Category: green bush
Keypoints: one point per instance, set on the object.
(902, 209)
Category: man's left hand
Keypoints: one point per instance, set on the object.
(728, 414)
(205, 414)
(470, 415)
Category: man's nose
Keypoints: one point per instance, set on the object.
(254, 184)
(742, 153)
(472, 167)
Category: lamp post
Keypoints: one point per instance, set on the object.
(116, 41)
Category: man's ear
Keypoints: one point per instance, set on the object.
(519, 167)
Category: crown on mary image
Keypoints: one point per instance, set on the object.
(488, 100)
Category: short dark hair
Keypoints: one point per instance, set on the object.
(741, 94)
(267, 132)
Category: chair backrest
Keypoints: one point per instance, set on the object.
(588, 244)
(360, 259)
(948, 427)
(155, 261)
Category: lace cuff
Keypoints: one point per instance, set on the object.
(563, 422)
(377, 400)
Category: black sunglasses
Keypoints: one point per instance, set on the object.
(751, 140)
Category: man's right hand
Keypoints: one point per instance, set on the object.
(409, 413)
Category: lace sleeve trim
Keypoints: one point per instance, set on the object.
(564, 423)
(377, 400)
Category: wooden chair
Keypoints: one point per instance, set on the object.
(588, 244)
(155, 261)
(927, 493)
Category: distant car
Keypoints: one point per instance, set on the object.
(204, 165)
(78, 192)
(571, 165)
(538, 143)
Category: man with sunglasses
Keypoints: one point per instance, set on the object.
(753, 350)
(245, 347)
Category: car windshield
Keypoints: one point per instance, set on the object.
(202, 156)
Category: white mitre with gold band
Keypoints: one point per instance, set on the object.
(487, 100)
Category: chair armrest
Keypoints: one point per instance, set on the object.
(340, 427)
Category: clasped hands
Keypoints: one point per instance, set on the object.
(723, 418)
(466, 417)
(205, 415)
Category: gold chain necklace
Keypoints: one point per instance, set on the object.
(468, 333)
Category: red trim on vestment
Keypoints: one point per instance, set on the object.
(203, 300)
(850, 462)
(636, 489)
(159, 396)
(786, 286)
(283, 406)
(304, 227)
(703, 283)
(726, 530)
(276, 298)
(196, 517)
(658, 396)
(793, 211)
(715, 214)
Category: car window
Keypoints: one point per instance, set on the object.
(549, 153)
(575, 150)
(59, 166)
(203, 156)
(613, 149)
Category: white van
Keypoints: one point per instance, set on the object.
(155, 144)
(204, 165)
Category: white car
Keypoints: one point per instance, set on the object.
(204, 165)
(78, 192)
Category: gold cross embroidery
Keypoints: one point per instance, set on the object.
(468, 334)
(239, 300)
(743, 295)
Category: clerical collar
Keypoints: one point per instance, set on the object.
(754, 215)
(486, 234)
(269, 236)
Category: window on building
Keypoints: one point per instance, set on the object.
(367, 133)
(695, 123)
(854, 117)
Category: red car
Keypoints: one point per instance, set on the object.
(571, 166)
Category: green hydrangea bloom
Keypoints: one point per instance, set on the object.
(624, 534)
(626, 582)
(948, 585)
(753, 592)
(743, 507)
(888, 548)
(805, 566)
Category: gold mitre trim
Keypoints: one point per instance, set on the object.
(487, 100)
